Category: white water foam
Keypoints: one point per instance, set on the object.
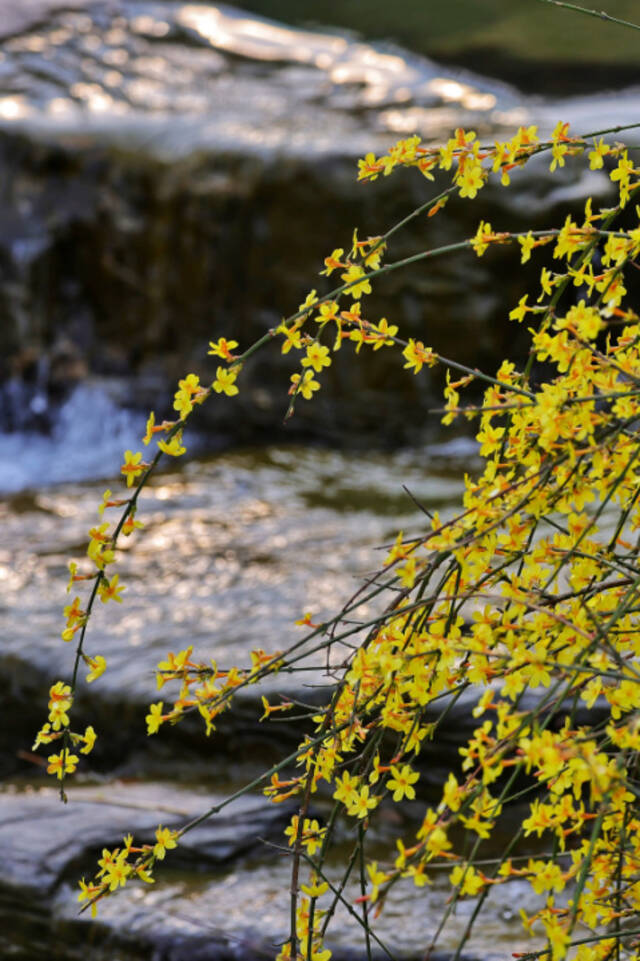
(86, 442)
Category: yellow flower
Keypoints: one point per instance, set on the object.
(559, 147)
(452, 794)
(558, 937)
(110, 590)
(133, 466)
(316, 357)
(131, 524)
(225, 382)
(223, 348)
(402, 781)
(60, 693)
(328, 311)
(600, 150)
(359, 286)
(73, 573)
(470, 177)
(346, 788)
(61, 764)
(489, 438)
(309, 301)
(585, 321)
(570, 239)
(305, 385)
(407, 572)
(189, 392)
(89, 739)
(518, 313)
(165, 841)
(417, 355)
(377, 878)
(546, 283)
(104, 503)
(480, 242)
(117, 872)
(369, 168)
(154, 718)
(175, 665)
(44, 736)
(292, 336)
(143, 873)
(60, 701)
(623, 170)
(73, 613)
(362, 803)
(558, 151)
(315, 888)
(465, 875)
(98, 666)
(182, 402)
(99, 549)
(88, 892)
(372, 260)
(546, 876)
(151, 422)
(527, 244)
(384, 334)
(310, 837)
(333, 262)
(175, 447)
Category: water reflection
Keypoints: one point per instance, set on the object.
(258, 39)
(12, 108)
(181, 77)
(233, 550)
(229, 74)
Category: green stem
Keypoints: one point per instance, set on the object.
(599, 14)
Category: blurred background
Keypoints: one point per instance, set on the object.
(170, 173)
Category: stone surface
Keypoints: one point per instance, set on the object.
(233, 551)
(176, 172)
(17, 18)
(46, 841)
(539, 48)
(221, 895)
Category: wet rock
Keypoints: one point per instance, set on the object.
(213, 898)
(542, 50)
(62, 839)
(233, 551)
(29, 13)
(245, 523)
(48, 846)
(176, 172)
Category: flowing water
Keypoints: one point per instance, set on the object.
(235, 547)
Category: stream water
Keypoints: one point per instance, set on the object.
(235, 547)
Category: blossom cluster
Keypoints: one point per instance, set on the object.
(119, 865)
(529, 591)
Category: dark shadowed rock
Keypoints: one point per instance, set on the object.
(19, 17)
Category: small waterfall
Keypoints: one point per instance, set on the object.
(81, 439)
